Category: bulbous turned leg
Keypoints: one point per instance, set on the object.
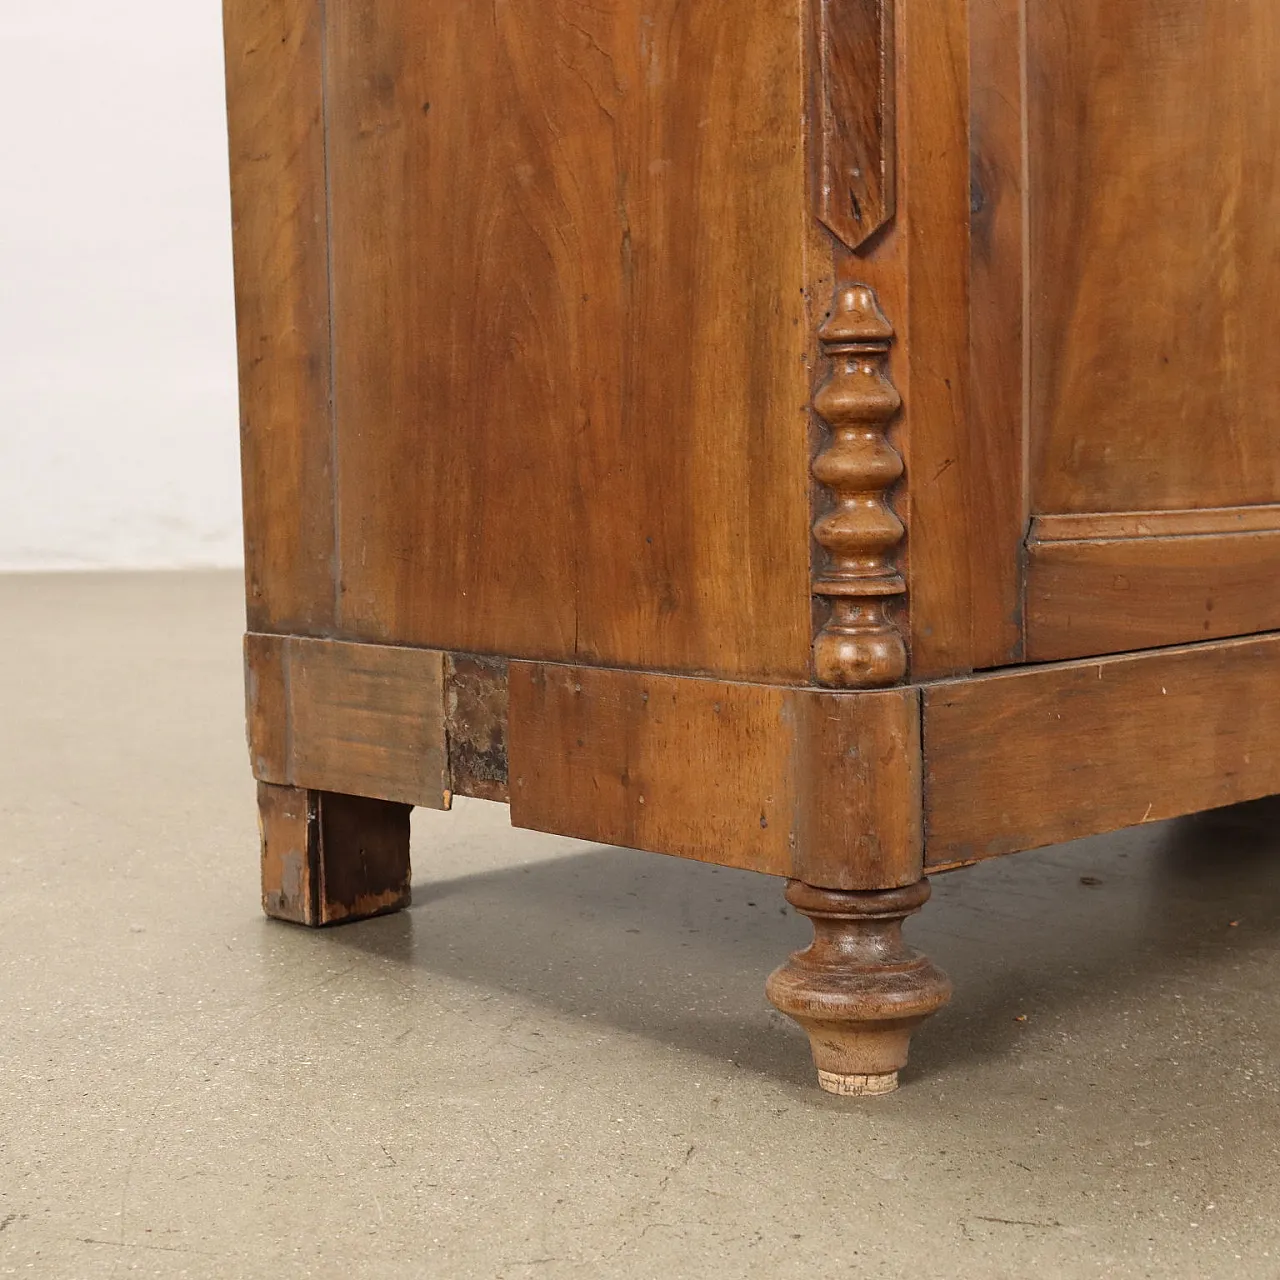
(858, 989)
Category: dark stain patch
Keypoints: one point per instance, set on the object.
(476, 726)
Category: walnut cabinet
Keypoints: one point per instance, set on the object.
(836, 438)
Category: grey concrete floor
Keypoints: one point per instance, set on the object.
(559, 1062)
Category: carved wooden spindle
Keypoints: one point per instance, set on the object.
(858, 989)
(859, 646)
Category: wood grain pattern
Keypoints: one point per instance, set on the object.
(276, 122)
(998, 335)
(961, 552)
(1111, 595)
(1155, 127)
(364, 720)
(568, 314)
(857, 778)
(854, 128)
(947, 486)
(330, 859)
(794, 782)
(1042, 755)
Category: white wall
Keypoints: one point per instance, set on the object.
(118, 437)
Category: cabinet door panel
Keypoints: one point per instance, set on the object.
(1155, 258)
(1153, 397)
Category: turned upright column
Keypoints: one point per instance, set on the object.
(859, 989)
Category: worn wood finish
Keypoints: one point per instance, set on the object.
(792, 782)
(476, 724)
(853, 127)
(858, 989)
(568, 320)
(367, 720)
(331, 859)
(1155, 136)
(1041, 755)
(1111, 594)
(275, 116)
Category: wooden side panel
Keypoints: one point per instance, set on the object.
(792, 782)
(1109, 595)
(364, 720)
(571, 382)
(1155, 142)
(329, 858)
(276, 120)
(1042, 755)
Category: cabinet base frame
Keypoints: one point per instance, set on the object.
(854, 797)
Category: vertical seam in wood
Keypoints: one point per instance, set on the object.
(314, 802)
(446, 733)
(1024, 116)
(286, 682)
(325, 131)
(924, 784)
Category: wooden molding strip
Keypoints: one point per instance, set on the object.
(820, 786)
(1118, 594)
(1108, 525)
(1041, 755)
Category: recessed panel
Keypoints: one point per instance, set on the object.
(1155, 253)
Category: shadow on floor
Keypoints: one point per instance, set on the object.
(677, 951)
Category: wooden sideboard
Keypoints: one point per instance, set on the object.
(836, 438)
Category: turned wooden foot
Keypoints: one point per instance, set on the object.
(329, 858)
(858, 989)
